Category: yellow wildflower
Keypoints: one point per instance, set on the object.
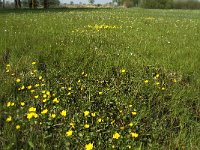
(36, 85)
(40, 77)
(7, 65)
(36, 96)
(130, 124)
(55, 100)
(116, 135)
(53, 115)
(134, 135)
(31, 115)
(63, 113)
(12, 104)
(72, 125)
(7, 71)
(122, 70)
(99, 120)
(86, 113)
(32, 109)
(69, 88)
(69, 133)
(89, 146)
(86, 126)
(9, 119)
(44, 100)
(100, 93)
(93, 114)
(18, 80)
(134, 113)
(29, 87)
(44, 111)
(18, 127)
(146, 81)
(22, 103)
(23, 87)
(8, 104)
(33, 63)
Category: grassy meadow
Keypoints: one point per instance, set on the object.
(99, 79)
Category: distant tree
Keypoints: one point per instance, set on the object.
(17, 4)
(91, 1)
(71, 3)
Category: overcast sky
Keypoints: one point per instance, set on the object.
(86, 1)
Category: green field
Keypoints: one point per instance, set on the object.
(99, 79)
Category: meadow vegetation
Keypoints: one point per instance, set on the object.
(99, 79)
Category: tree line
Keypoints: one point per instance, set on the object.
(32, 3)
(160, 4)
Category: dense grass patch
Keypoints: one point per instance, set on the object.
(101, 78)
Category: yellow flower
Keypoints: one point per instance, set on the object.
(32, 91)
(122, 70)
(134, 135)
(86, 126)
(44, 111)
(33, 63)
(69, 93)
(99, 120)
(53, 115)
(174, 80)
(23, 87)
(69, 133)
(36, 96)
(130, 124)
(86, 113)
(116, 135)
(9, 119)
(69, 88)
(163, 88)
(31, 115)
(79, 81)
(48, 93)
(63, 113)
(55, 100)
(100, 93)
(7, 65)
(32, 109)
(12, 104)
(157, 83)
(72, 125)
(134, 113)
(44, 95)
(18, 80)
(93, 114)
(36, 85)
(8, 104)
(18, 127)
(113, 146)
(89, 146)
(146, 81)
(40, 77)
(44, 100)
(22, 103)
(157, 75)
(29, 87)
(7, 70)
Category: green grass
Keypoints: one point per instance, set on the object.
(143, 61)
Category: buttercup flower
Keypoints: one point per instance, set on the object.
(89, 146)
(116, 135)
(69, 133)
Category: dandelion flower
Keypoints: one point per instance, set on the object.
(134, 135)
(53, 116)
(86, 126)
(18, 80)
(93, 114)
(63, 113)
(32, 109)
(9, 119)
(116, 135)
(123, 71)
(18, 127)
(134, 113)
(69, 133)
(44, 111)
(22, 103)
(89, 146)
(55, 100)
(99, 120)
(86, 113)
